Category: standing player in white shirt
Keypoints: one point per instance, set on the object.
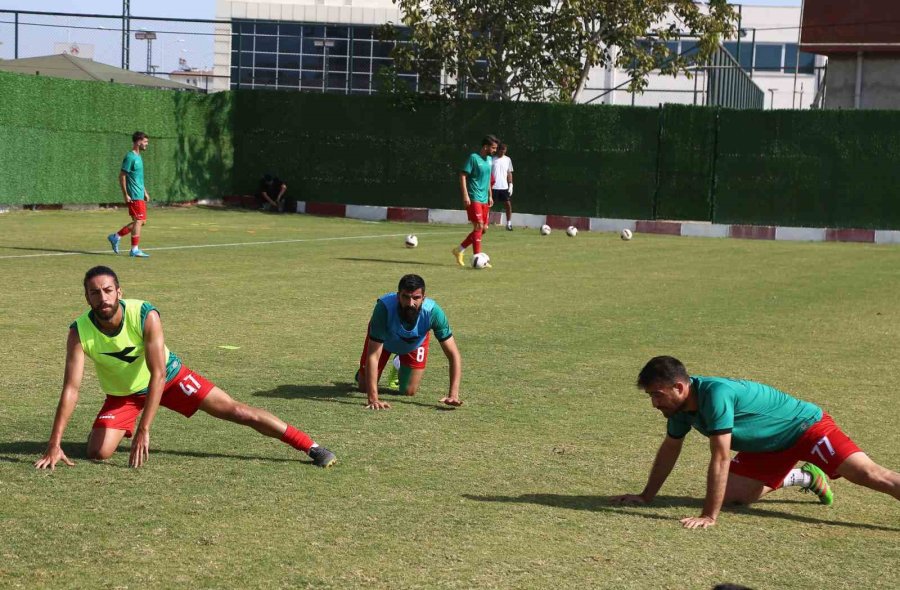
(503, 182)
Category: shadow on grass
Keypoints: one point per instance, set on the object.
(341, 393)
(59, 250)
(389, 261)
(31, 451)
(604, 504)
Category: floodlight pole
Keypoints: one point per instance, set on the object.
(147, 36)
(126, 32)
(325, 45)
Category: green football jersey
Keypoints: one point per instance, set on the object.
(478, 173)
(760, 418)
(133, 167)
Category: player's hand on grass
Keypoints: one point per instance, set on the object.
(451, 401)
(630, 499)
(378, 405)
(53, 456)
(698, 522)
(140, 449)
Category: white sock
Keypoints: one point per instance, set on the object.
(797, 477)
(396, 362)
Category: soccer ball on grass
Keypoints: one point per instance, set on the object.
(626, 234)
(545, 230)
(412, 241)
(480, 260)
(572, 231)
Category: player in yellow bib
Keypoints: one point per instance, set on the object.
(124, 338)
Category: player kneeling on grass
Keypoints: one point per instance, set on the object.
(124, 338)
(402, 323)
(771, 431)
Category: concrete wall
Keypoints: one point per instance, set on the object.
(880, 83)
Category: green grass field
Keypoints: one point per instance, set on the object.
(509, 491)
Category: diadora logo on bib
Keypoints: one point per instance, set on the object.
(123, 355)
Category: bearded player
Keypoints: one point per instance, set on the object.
(124, 338)
(402, 323)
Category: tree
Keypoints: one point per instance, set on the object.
(545, 49)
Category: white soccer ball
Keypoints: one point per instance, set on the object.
(626, 234)
(480, 260)
(545, 230)
(572, 231)
(412, 241)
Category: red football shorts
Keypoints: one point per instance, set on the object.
(415, 359)
(138, 209)
(182, 394)
(824, 444)
(478, 212)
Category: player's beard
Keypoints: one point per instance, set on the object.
(409, 313)
(669, 412)
(105, 314)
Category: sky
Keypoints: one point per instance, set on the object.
(191, 42)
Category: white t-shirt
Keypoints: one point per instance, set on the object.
(501, 167)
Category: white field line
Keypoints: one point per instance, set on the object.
(228, 245)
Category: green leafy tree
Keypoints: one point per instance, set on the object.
(545, 49)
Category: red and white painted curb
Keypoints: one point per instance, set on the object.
(672, 228)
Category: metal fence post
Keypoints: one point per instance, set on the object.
(713, 163)
(659, 138)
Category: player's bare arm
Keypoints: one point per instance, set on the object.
(374, 352)
(465, 191)
(451, 351)
(716, 481)
(146, 195)
(281, 192)
(67, 401)
(155, 352)
(123, 183)
(665, 460)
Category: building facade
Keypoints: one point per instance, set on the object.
(862, 42)
(333, 46)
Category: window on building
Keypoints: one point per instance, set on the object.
(807, 60)
(768, 57)
(742, 52)
(293, 56)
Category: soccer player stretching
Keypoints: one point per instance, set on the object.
(131, 181)
(124, 338)
(475, 185)
(771, 431)
(402, 323)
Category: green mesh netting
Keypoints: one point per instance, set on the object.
(62, 141)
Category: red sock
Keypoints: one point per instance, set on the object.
(134, 240)
(470, 239)
(124, 231)
(476, 243)
(297, 439)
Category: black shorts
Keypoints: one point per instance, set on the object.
(501, 195)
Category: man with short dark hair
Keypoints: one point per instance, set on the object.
(124, 338)
(475, 186)
(131, 181)
(502, 188)
(271, 193)
(771, 430)
(402, 323)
